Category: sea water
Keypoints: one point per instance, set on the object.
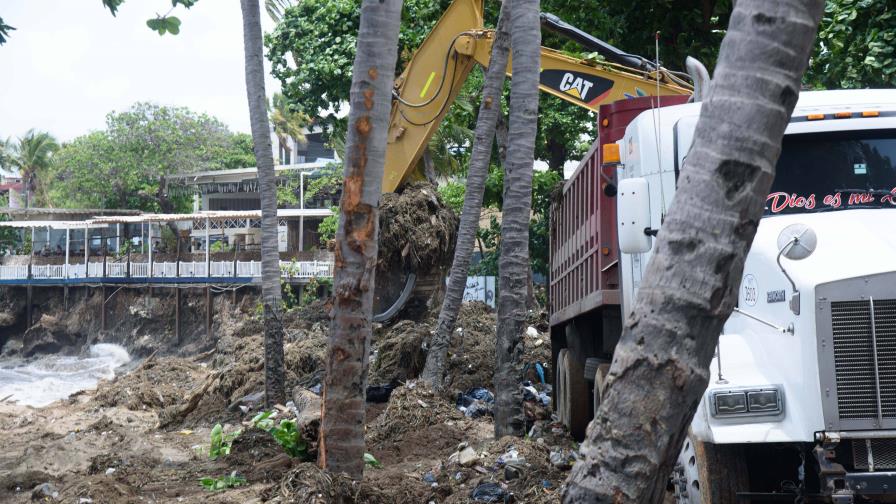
(42, 380)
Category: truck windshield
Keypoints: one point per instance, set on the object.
(841, 170)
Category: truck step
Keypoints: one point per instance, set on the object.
(592, 364)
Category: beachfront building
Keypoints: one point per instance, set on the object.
(237, 191)
(12, 188)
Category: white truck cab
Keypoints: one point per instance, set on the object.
(803, 385)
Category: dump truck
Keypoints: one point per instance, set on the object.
(801, 403)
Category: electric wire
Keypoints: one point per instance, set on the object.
(444, 103)
(441, 81)
(657, 128)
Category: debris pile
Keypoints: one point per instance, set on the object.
(417, 230)
(412, 407)
(426, 446)
(471, 354)
(156, 384)
(400, 354)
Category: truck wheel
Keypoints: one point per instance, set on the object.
(600, 381)
(571, 394)
(707, 473)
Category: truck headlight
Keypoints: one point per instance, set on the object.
(763, 401)
(746, 402)
(730, 403)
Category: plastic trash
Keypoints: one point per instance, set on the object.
(481, 394)
(489, 492)
(511, 455)
(530, 393)
(540, 370)
(379, 393)
(476, 402)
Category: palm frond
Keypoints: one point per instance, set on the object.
(276, 8)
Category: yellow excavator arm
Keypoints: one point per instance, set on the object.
(432, 79)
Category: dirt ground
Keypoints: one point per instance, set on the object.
(143, 438)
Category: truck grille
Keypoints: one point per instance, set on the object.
(883, 453)
(864, 341)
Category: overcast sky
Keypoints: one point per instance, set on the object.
(70, 62)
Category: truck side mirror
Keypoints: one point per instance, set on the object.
(633, 210)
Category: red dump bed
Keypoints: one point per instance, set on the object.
(584, 251)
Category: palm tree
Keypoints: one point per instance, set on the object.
(489, 111)
(31, 155)
(276, 8)
(6, 154)
(342, 424)
(287, 123)
(274, 378)
(661, 365)
(513, 262)
(450, 138)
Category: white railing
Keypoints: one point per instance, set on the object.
(46, 271)
(306, 269)
(13, 272)
(248, 268)
(95, 270)
(164, 270)
(220, 269)
(193, 269)
(76, 270)
(117, 269)
(140, 270)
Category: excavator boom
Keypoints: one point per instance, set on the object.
(433, 78)
(428, 86)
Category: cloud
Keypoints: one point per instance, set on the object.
(70, 63)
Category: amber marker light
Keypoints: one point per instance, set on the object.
(611, 153)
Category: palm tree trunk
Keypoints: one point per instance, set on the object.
(489, 111)
(270, 257)
(342, 424)
(513, 262)
(660, 367)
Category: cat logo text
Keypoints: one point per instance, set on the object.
(575, 86)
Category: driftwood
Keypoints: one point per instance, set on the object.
(146, 361)
(204, 355)
(173, 415)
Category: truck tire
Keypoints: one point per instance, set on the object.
(600, 381)
(707, 473)
(572, 395)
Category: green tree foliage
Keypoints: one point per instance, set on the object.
(327, 227)
(311, 52)
(123, 165)
(4, 31)
(240, 154)
(9, 237)
(275, 8)
(287, 122)
(313, 47)
(687, 27)
(31, 155)
(856, 45)
(543, 184)
(452, 194)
